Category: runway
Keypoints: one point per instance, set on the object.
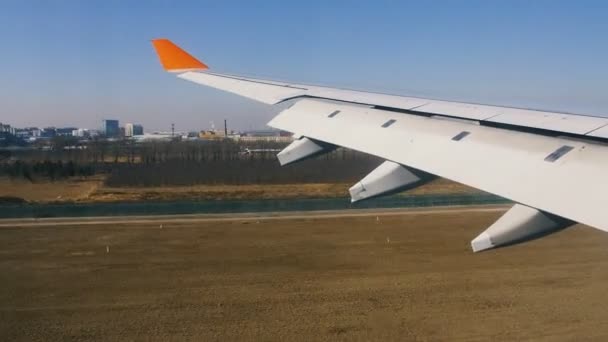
(376, 275)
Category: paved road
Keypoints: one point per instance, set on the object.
(80, 221)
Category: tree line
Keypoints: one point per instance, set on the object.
(162, 163)
(52, 170)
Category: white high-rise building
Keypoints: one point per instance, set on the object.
(81, 132)
(128, 130)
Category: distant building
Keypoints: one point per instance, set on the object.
(138, 129)
(210, 135)
(128, 130)
(81, 133)
(133, 129)
(110, 128)
(4, 128)
(93, 133)
(7, 129)
(35, 132)
(48, 132)
(65, 132)
(22, 133)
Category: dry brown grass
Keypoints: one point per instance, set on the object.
(47, 191)
(93, 190)
(403, 277)
(286, 191)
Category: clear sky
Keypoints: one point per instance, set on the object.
(77, 62)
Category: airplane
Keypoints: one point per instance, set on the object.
(552, 165)
(153, 137)
(248, 151)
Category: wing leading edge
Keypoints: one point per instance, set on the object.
(552, 164)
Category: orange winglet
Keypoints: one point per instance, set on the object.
(173, 58)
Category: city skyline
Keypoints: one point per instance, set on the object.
(75, 63)
(134, 125)
(119, 129)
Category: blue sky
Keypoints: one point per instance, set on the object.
(77, 62)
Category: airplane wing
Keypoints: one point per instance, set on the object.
(552, 165)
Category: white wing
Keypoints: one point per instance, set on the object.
(552, 164)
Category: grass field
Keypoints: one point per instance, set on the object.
(94, 190)
(47, 191)
(401, 276)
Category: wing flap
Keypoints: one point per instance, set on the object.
(567, 123)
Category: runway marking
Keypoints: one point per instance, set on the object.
(159, 219)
